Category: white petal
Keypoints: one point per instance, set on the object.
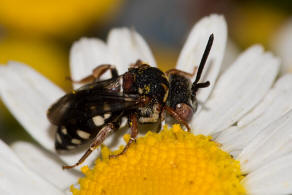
(85, 55)
(282, 44)
(277, 102)
(8, 155)
(16, 179)
(269, 144)
(237, 91)
(28, 95)
(274, 178)
(126, 47)
(231, 53)
(45, 164)
(194, 47)
(68, 191)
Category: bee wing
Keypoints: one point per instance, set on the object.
(86, 104)
(102, 85)
(80, 116)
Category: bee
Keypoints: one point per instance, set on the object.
(143, 94)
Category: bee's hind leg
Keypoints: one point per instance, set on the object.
(98, 140)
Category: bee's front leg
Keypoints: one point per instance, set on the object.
(176, 116)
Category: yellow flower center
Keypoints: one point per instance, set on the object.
(170, 162)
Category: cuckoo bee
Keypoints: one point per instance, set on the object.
(143, 94)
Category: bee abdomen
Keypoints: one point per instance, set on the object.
(67, 139)
(76, 133)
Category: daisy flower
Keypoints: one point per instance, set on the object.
(245, 122)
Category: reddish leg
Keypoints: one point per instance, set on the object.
(98, 140)
(136, 64)
(182, 73)
(162, 120)
(97, 73)
(134, 133)
(177, 117)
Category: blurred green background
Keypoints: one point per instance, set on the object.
(40, 33)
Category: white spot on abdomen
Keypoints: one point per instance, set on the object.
(76, 141)
(64, 130)
(98, 120)
(107, 115)
(58, 138)
(70, 147)
(83, 134)
(124, 122)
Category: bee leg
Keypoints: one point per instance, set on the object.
(97, 73)
(138, 64)
(100, 70)
(201, 65)
(134, 133)
(177, 117)
(182, 73)
(98, 140)
(161, 121)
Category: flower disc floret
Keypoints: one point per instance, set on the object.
(170, 162)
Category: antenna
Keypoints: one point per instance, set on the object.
(196, 85)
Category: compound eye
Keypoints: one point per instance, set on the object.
(128, 80)
(184, 111)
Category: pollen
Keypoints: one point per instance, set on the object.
(147, 89)
(170, 162)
